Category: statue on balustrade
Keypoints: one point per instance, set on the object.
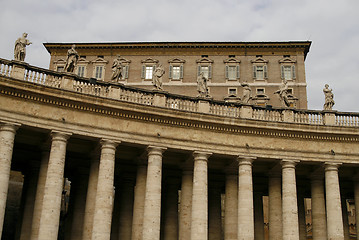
(117, 69)
(157, 77)
(329, 98)
(71, 60)
(247, 93)
(283, 94)
(202, 86)
(20, 47)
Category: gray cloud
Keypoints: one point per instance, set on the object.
(331, 25)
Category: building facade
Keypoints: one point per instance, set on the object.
(95, 159)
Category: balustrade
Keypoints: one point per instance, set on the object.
(5, 67)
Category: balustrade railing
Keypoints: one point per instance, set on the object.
(25, 72)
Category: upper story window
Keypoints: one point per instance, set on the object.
(204, 65)
(81, 71)
(232, 91)
(287, 68)
(260, 71)
(232, 69)
(82, 67)
(148, 67)
(125, 63)
(99, 68)
(176, 69)
(59, 65)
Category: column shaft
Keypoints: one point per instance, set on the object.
(231, 207)
(258, 217)
(199, 222)
(170, 231)
(275, 208)
(301, 216)
(334, 209)
(126, 210)
(245, 200)
(152, 210)
(101, 229)
(186, 205)
(319, 222)
(50, 212)
(289, 201)
(7, 137)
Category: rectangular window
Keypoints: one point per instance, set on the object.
(232, 91)
(260, 91)
(232, 72)
(260, 72)
(124, 72)
(288, 72)
(60, 69)
(98, 72)
(81, 71)
(205, 71)
(149, 72)
(176, 72)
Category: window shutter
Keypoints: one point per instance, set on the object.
(209, 71)
(126, 72)
(227, 71)
(170, 72)
(143, 72)
(255, 71)
(181, 72)
(282, 71)
(293, 72)
(265, 71)
(199, 70)
(237, 71)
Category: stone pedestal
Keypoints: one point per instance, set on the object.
(275, 207)
(245, 199)
(91, 198)
(289, 201)
(50, 212)
(231, 207)
(319, 222)
(199, 223)
(186, 205)
(152, 210)
(170, 226)
(101, 229)
(214, 212)
(139, 202)
(334, 208)
(7, 136)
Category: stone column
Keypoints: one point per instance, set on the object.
(29, 201)
(152, 210)
(356, 199)
(186, 205)
(39, 195)
(126, 209)
(214, 212)
(199, 221)
(139, 202)
(245, 199)
(275, 207)
(7, 137)
(51, 206)
(231, 206)
(319, 222)
(334, 209)
(91, 198)
(345, 218)
(289, 201)
(258, 216)
(170, 231)
(101, 229)
(301, 215)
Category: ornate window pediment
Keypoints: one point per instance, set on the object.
(204, 61)
(83, 61)
(99, 61)
(176, 60)
(260, 60)
(60, 61)
(232, 60)
(287, 60)
(150, 61)
(124, 60)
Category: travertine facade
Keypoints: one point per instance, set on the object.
(149, 164)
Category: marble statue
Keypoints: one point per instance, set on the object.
(117, 69)
(20, 47)
(283, 94)
(329, 98)
(202, 87)
(71, 60)
(157, 77)
(247, 93)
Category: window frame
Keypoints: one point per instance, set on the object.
(174, 63)
(204, 62)
(232, 62)
(288, 62)
(260, 62)
(232, 88)
(148, 63)
(99, 62)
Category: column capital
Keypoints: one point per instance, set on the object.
(7, 126)
(107, 143)
(331, 166)
(60, 136)
(155, 150)
(197, 155)
(289, 163)
(245, 160)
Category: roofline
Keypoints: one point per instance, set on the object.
(118, 45)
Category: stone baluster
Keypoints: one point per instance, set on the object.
(101, 229)
(152, 210)
(199, 222)
(289, 201)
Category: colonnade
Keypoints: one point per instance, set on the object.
(142, 207)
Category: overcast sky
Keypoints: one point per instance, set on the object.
(331, 25)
